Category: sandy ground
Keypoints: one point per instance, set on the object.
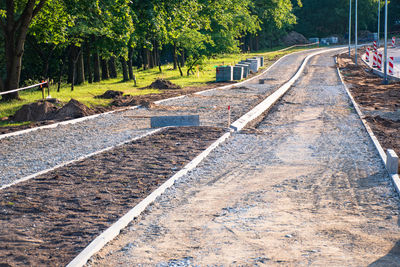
(306, 187)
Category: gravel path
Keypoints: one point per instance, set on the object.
(30, 153)
(306, 187)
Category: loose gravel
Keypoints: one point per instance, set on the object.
(305, 187)
(39, 150)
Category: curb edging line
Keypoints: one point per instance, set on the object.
(79, 159)
(98, 243)
(377, 144)
(274, 97)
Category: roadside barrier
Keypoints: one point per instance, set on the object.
(391, 65)
(375, 46)
(375, 60)
(367, 54)
(42, 85)
(393, 41)
(380, 57)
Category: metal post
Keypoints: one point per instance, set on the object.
(349, 28)
(379, 22)
(355, 32)
(385, 79)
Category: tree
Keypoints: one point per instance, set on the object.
(15, 18)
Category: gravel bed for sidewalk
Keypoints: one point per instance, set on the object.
(48, 220)
(36, 151)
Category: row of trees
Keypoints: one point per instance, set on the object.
(320, 18)
(89, 40)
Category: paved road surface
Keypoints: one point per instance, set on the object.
(306, 187)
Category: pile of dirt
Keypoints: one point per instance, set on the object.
(44, 110)
(294, 38)
(37, 111)
(124, 101)
(163, 84)
(73, 109)
(110, 94)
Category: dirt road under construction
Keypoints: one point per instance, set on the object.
(304, 187)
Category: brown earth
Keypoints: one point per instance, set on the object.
(294, 38)
(163, 84)
(48, 220)
(374, 98)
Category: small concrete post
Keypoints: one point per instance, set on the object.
(392, 162)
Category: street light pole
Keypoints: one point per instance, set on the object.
(385, 79)
(379, 21)
(355, 32)
(349, 27)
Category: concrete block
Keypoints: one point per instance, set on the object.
(262, 61)
(392, 162)
(185, 120)
(246, 69)
(224, 74)
(253, 64)
(258, 61)
(238, 73)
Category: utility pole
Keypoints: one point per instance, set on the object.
(385, 79)
(355, 33)
(379, 21)
(349, 28)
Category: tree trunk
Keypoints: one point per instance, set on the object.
(112, 67)
(105, 75)
(96, 67)
(130, 68)
(70, 63)
(80, 70)
(88, 68)
(124, 69)
(183, 58)
(175, 57)
(14, 32)
(179, 67)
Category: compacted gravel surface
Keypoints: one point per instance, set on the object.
(29, 153)
(48, 220)
(305, 187)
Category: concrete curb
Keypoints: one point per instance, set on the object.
(73, 121)
(381, 151)
(115, 229)
(229, 86)
(78, 159)
(273, 98)
(99, 242)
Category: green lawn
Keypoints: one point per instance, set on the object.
(85, 93)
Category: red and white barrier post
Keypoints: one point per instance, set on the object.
(391, 65)
(393, 41)
(375, 46)
(367, 55)
(375, 60)
(380, 57)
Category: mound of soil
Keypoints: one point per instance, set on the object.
(73, 109)
(124, 101)
(294, 38)
(37, 111)
(110, 94)
(163, 84)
